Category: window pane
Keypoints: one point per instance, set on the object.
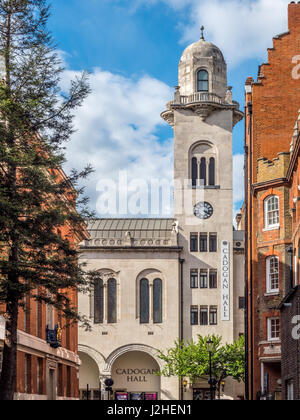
(212, 171)
(194, 279)
(144, 301)
(202, 81)
(213, 316)
(157, 301)
(203, 172)
(194, 316)
(213, 282)
(98, 301)
(194, 172)
(203, 242)
(203, 279)
(203, 316)
(213, 242)
(273, 274)
(194, 243)
(272, 211)
(112, 301)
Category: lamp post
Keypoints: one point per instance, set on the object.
(212, 381)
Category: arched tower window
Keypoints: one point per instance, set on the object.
(98, 301)
(112, 301)
(202, 81)
(203, 171)
(157, 301)
(144, 301)
(194, 171)
(212, 169)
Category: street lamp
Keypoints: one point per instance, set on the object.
(212, 381)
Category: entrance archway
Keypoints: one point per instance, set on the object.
(88, 378)
(135, 376)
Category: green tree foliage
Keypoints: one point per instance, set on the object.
(191, 359)
(36, 198)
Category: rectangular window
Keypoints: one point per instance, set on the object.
(273, 274)
(203, 279)
(194, 315)
(273, 329)
(213, 315)
(203, 242)
(213, 247)
(194, 242)
(194, 279)
(204, 316)
(290, 390)
(213, 279)
(69, 381)
(242, 303)
(60, 390)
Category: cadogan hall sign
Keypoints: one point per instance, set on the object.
(225, 281)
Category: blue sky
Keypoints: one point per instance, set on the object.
(132, 49)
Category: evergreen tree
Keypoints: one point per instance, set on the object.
(37, 259)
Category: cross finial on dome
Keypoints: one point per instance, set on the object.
(202, 32)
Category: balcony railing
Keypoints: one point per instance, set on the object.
(198, 97)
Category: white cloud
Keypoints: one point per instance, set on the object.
(116, 130)
(243, 29)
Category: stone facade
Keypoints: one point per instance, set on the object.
(196, 256)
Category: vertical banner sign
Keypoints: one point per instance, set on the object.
(225, 281)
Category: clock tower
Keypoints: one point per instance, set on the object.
(203, 116)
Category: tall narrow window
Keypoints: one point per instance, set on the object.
(273, 329)
(202, 77)
(194, 172)
(112, 301)
(194, 315)
(157, 301)
(203, 175)
(204, 315)
(213, 280)
(98, 301)
(144, 301)
(194, 242)
(212, 169)
(213, 315)
(194, 279)
(40, 375)
(212, 242)
(203, 242)
(272, 271)
(203, 279)
(271, 212)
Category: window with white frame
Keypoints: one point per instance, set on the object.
(272, 272)
(271, 209)
(273, 329)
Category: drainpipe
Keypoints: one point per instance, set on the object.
(250, 109)
(246, 155)
(181, 262)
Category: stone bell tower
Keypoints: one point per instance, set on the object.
(203, 116)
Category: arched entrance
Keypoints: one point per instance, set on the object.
(135, 378)
(88, 378)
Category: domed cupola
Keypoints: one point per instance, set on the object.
(202, 85)
(202, 68)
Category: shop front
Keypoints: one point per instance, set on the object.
(136, 377)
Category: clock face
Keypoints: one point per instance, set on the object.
(203, 210)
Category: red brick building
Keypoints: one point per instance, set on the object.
(272, 104)
(47, 359)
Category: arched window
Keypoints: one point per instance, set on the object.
(272, 274)
(98, 301)
(202, 81)
(194, 172)
(212, 168)
(157, 301)
(203, 171)
(112, 301)
(144, 301)
(271, 208)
